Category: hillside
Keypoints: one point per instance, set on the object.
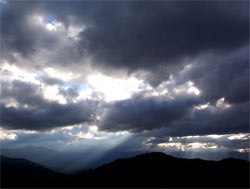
(18, 173)
(147, 170)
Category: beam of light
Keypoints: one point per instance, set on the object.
(102, 142)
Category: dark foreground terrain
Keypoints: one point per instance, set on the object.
(148, 170)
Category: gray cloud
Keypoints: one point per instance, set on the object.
(135, 35)
(51, 80)
(46, 118)
(132, 35)
(18, 35)
(40, 114)
(176, 117)
(207, 121)
(151, 38)
(138, 114)
(221, 76)
(22, 92)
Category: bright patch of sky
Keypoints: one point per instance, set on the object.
(65, 76)
(6, 135)
(50, 19)
(16, 73)
(52, 93)
(201, 143)
(52, 25)
(114, 89)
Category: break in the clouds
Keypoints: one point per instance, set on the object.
(168, 69)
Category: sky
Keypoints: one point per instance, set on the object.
(134, 76)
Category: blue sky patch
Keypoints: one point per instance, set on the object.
(83, 87)
(49, 19)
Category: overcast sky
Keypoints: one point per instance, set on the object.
(128, 75)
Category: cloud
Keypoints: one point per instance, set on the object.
(7, 136)
(177, 115)
(135, 36)
(220, 76)
(20, 35)
(31, 111)
(210, 144)
(167, 57)
(145, 113)
(211, 121)
(151, 35)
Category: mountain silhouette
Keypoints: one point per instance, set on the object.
(18, 172)
(65, 161)
(147, 170)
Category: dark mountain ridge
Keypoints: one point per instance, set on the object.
(147, 170)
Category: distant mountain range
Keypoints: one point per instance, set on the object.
(73, 161)
(147, 170)
(66, 162)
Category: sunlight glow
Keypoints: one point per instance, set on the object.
(221, 103)
(52, 93)
(114, 89)
(201, 145)
(215, 136)
(71, 31)
(59, 74)
(241, 136)
(173, 145)
(202, 106)
(147, 142)
(7, 136)
(188, 88)
(16, 73)
(87, 135)
(193, 89)
(187, 146)
(12, 103)
(243, 150)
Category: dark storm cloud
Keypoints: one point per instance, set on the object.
(208, 121)
(177, 116)
(40, 114)
(70, 92)
(134, 35)
(45, 118)
(221, 76)
(51, 80)
(138, 114)
(19, 34)
(22, 92)
(156, 37)
(143, 35)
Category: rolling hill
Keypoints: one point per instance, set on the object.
(147, 170)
